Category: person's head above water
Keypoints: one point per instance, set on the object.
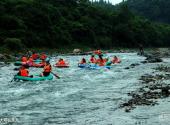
(83, 59)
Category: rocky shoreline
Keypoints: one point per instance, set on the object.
(153, 87)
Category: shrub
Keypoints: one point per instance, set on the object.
(13, 44)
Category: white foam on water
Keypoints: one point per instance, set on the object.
(81, 96)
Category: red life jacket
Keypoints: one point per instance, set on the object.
(24, 72)
(35, 56)
(83, 62)
(43, 56)
(62, 62)
(93, 60)
(47, 68)
(116, 60)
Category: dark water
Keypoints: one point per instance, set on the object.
(80, 97)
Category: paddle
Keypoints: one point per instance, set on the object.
(16, 69)
(55, 75)
(13, 78)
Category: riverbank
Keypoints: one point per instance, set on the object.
(153, 86)
(85, 96)
(9, 56)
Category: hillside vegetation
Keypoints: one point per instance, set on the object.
(75, 23)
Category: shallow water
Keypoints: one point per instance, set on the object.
(80, 97)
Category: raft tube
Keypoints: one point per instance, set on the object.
(62, 66)
(36, 78)
(93, 66)
(83, 65)
(99, 67)
(19, 63)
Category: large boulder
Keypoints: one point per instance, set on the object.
(152, 58)
(77, 51)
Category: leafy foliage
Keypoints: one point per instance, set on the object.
(71, 23)
(155, 10)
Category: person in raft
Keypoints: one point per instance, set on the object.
(23, 71)
(98, 52)
(108, 63)
(101, 61)
(43, 56)
(30, 61)
(83, 61)
(92, 59)
(61, 62)
(35, 56)
(116, 60)
(43, 62)
(47, 69)
(24, 59)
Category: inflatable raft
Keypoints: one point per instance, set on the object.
(35, 78)
(93, 66)
(19, 63)
(62, 66)
(83, 65)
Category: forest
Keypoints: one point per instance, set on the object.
(80, 23)
(155, 10)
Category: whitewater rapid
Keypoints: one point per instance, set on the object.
(81, 96)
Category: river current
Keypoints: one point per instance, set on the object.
(80, 97)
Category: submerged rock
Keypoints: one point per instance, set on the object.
(132, 65)
(153, 58)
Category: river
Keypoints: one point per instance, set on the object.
(80, 97)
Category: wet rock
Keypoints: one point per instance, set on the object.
(163, 68)
(144, 62)
(153, 88)
(165, 91)
(127, 68)
(132, 65)
(77, 51)
(152, 58)
(135, 64)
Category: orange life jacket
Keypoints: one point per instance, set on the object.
(24, 59)
(47, 68)
(101, 62)
(24, 72)
(98, 52)
(62, 62)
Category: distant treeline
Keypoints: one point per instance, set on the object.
(75, 23)
(155, 10)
